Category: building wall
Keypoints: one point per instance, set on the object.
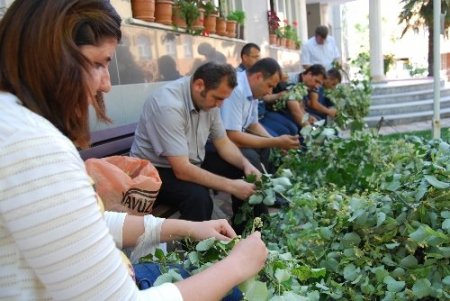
(152, 54)
(314, 17)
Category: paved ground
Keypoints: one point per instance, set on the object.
(413, 127)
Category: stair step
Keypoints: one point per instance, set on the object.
(407, 96)
(403, 86)
(395, 119)
(403, 107)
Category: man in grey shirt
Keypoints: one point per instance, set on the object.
(175, 124)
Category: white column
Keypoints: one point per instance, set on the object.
(337, 28)
(376, 52)
(255, 29)
(303, 22)
(437, 69)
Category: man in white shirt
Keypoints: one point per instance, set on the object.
(320, 49)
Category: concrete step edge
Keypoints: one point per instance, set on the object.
(409, 104)
(407, 115)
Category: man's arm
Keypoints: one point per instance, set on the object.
(231, 153)
(305, 57)
(259, 138)
(271, 98)
(297, 111)
(186, 171)
(316, 105)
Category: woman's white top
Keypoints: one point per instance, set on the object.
(54, 242)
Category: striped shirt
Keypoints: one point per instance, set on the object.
(54, 243)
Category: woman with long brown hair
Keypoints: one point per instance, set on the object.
(54, 243)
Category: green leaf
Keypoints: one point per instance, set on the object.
(446, 280)
(282, 275)
(394, 285)
(205, 245)
(392, 245)
(257, 292)
(251, 178)
(422, 288)
(419, 235)
(436, 183)
(255, 199)
(159, 254)
(163, 278)
(269, 200)
(445, 214)
(381, 217)
(380, 273)
(325, 233)
(392, 186)
(351, 272)
(409, 262)
(193, 258)
(446, 224)
(398, 272)
(350, 239)
(175, 275)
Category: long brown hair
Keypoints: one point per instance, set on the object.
(41, 62)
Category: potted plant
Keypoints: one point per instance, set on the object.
(290, 33)
(143, 10)
(210, 17)
(188, 11)
(221, 23)
(274, 25)
(239, 17)
(199, 22)
(163, 11)
(177, 15)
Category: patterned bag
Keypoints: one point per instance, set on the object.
(125, 184)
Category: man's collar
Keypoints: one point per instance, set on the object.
(191, 104)
(246, 85)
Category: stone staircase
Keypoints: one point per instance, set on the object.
(406, 101)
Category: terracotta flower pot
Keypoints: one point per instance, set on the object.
(290, 44)
(163, 11)
(198, 24)
(221, 27)
(177, 19)
(143, 9)
(231, 28)
(272, 39)
(210, 23)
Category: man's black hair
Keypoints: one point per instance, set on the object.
(267, 66)
(212, 75)
(247, 48)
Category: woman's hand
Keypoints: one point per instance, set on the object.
(250, 253)
(219, 229)
(249, 169)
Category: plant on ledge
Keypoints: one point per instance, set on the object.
(189, 12)
(290, 33)
(273, 20)
(239, 17)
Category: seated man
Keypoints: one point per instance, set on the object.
(250, 54)
(321, 106)
(240, 113)
(172, 132)
(291, 119)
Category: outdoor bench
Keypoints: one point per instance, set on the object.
(117, 141)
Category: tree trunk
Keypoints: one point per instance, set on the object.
(430, 51)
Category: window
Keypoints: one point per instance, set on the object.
(286, 10)
(2, 8)
(226, 6)
(144, 47)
